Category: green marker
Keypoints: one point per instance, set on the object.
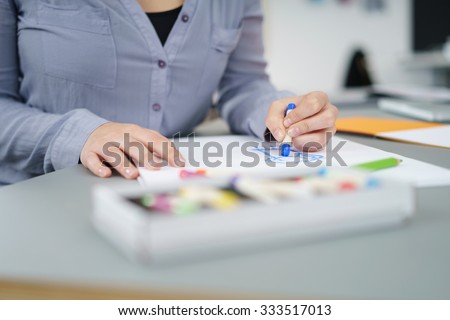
(379, 164)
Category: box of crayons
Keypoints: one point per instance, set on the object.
(206, 216)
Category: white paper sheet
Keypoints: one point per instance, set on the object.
(435, 136)
(231, 154)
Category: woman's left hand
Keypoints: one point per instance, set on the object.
(309, 125)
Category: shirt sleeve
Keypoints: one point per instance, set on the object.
(30, 139)
(245, 91)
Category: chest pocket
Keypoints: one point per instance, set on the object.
(223, 43)
(77, 44)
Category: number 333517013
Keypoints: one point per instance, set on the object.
(296, 310)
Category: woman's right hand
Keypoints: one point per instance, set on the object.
(116, 143)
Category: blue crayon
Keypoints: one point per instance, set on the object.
(373, 183)
(285, 149)
(322, 172)
(286, 145)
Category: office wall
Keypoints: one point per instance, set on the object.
(308, 46)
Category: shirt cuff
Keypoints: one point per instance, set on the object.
(69, 141)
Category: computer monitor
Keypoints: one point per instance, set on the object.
(431, 23)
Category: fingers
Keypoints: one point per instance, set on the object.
(326, 118)
(119, 161)
(149, 149)
(142, 157)
(93, 163)
(313, 141)
(307, 106)
(310, 104)
(162, 147)
(275, 117)
(274, 120)
(120, 144)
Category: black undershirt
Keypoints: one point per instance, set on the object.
(163, 22)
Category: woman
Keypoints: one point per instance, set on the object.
(76, 75)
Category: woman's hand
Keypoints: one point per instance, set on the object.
(117, 143)
(307, 125)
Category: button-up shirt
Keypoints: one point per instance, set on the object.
(69, 66)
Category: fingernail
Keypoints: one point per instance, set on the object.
(279, 134)
(180, 164)
(129, 172)
(102, 172)
(294, 132)
(287, 123)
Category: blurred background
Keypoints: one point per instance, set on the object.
(338, 45)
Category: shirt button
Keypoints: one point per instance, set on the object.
(162, 64)
(185, 18)
(156, 107)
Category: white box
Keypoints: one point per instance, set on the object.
(149, 237)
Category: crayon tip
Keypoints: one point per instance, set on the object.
(322, 172)
(285, 150)
(348, 186)
(373, 183)
(234, 181)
